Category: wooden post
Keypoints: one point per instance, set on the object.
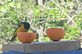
(40, 2)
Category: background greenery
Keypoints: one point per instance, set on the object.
(52, 13)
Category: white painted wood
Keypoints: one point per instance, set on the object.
(43, 46)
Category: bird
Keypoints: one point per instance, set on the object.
(23, 27)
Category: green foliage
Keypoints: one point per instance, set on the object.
(49, 16)
(78, 20)
(72, 33)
